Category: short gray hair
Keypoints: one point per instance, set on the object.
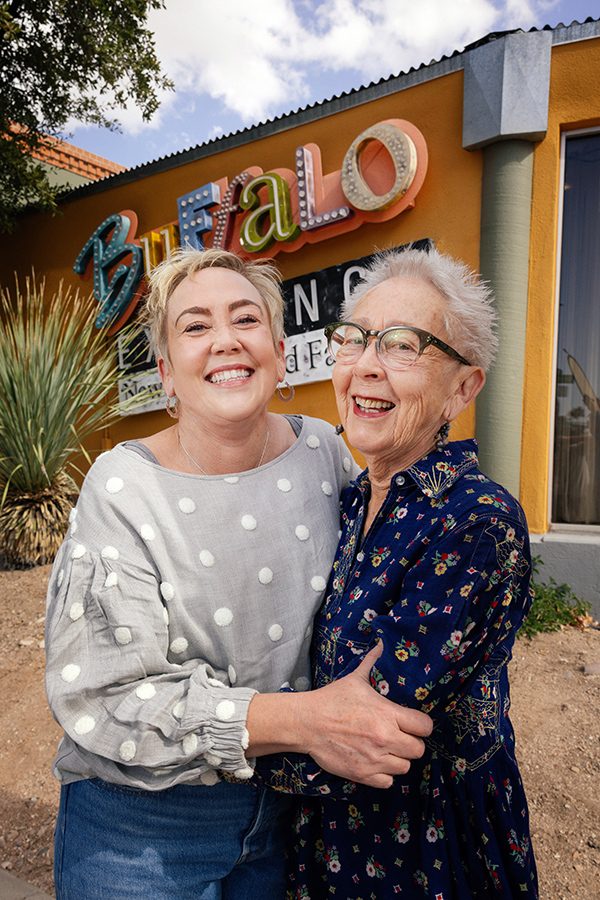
(183, 263)
(470, 318)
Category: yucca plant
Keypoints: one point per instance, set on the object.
(58, 380)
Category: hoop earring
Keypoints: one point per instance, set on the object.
(173, 410)
(442, 437)
(282, 387)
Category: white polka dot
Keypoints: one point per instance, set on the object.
(179, 709)
(114, 485)
(302, 683)
(302, 533)
(127, 750)
(166, 616)
(223, 616)
(190, 743)
(70, 673)
(213, 760)
(179, 645)
(225, 710)
(76, 611)
(347, 464)
(232, 479)
(60, 578)
(73, 527)
(73, 514)
(248, 523)
(167, 590)
(109, 552)
(84, 725)
(313, 441)
(232, 675)
(275, 633)
(111, 579)
(145, 691)
(284, 485)
(244, 773)
(206, 558)
(78, 551)
(318, 583)
(123, 635)
(209, 778)
(326, 488)
(265, 576)
(245, 739)
(147, 532)
(187, 505)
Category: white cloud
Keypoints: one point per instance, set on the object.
(239, 62)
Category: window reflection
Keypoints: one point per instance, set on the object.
(576, 483)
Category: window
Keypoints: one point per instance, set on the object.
(576, 472)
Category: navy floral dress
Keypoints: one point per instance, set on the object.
(442, 577)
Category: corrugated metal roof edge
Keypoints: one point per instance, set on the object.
(561, 34)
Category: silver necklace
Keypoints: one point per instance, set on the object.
(198, 466)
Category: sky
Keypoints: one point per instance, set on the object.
(237, 63)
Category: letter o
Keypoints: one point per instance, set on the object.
(404, 156)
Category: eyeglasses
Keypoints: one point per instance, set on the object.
(397, 347)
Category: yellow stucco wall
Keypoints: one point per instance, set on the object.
(574, 103)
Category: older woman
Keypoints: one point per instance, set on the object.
(182, 600)
(434, 564)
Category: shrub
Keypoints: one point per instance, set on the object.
(58, 380)
(554, 605)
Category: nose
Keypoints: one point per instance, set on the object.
(225, 339)
(368, 365)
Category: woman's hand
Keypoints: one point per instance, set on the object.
(347, 727)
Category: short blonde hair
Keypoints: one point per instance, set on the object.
(168, 275)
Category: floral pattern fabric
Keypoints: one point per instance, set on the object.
(442, 578)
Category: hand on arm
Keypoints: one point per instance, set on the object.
(348, 728)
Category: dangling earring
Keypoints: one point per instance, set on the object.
(442, 437)
(173, 410)
(280, 389)
(339, 429)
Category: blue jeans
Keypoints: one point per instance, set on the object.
(220, 842)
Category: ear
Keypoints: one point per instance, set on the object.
(165, 377)
(470, 382)
(281, 368)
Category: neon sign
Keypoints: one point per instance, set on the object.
(118, 268)
(263, 212)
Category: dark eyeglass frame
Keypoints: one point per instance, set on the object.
(426, 339)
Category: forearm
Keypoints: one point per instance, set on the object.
(346, 727)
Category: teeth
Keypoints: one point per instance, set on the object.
(230, 375)
(366, 403)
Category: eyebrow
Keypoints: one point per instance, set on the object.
(205, 311)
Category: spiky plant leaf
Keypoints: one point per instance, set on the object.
(58, 381)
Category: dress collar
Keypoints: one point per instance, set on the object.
(436, 472)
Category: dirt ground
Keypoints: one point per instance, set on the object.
(556, 713)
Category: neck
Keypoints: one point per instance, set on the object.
(236, 449)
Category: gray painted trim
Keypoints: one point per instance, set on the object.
(573, 560)
(506, 90)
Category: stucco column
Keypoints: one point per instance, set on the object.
(504, 262)
(506, 91)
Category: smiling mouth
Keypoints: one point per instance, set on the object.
(229, 375)
(368, 405)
